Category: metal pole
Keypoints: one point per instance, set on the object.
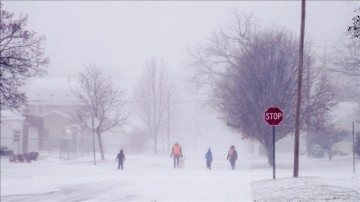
(353, 127)
(93, 131)
(68, 148)
(274, 152)
(75, 147)
(168, 123)
(60, 149)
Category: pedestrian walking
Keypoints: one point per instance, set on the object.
(176, 152)
(232, 156)
(120, 158)
(208, 157)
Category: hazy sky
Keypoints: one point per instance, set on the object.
(122, 36)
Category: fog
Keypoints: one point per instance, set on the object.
(47, 156)
(122, 36)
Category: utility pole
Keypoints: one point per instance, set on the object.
(353, 129)
(298, 104)
(168, 121)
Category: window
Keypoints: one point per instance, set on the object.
(46, 133)
(40, 110)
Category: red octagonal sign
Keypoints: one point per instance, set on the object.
(273, 116)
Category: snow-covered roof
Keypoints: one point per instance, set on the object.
(58, 113)
(51, 90)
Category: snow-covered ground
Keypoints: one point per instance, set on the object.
(151, 178)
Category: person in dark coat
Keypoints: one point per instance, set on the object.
(120, 158)
(232, 156)
(208, 157)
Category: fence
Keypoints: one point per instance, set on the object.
(66, 148)
(70, 149)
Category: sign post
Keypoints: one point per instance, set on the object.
(93, 133)
(93, 123)
(353, 129)
(273, 116)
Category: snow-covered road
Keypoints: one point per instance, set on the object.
(144, 179)
(149, 178)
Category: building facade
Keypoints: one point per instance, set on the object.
(11, 131)
(48, 123)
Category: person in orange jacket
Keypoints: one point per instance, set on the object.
(176, 152)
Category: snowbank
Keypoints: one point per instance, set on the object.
(305, 189)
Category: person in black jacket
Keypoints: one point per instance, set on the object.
(120, 158)
(232, 156)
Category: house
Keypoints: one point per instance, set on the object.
(11, 130)
(48, 122)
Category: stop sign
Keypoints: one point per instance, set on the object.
(273, 116)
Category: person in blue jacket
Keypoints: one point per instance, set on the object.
(208, 157)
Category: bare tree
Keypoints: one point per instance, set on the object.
(346, 62)
(98, 97)
(21, 57)
(346, 58)
(263, 77)
(354, 29)
(154, 93)
(327, 137)
(322, 100)
(248, 70)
